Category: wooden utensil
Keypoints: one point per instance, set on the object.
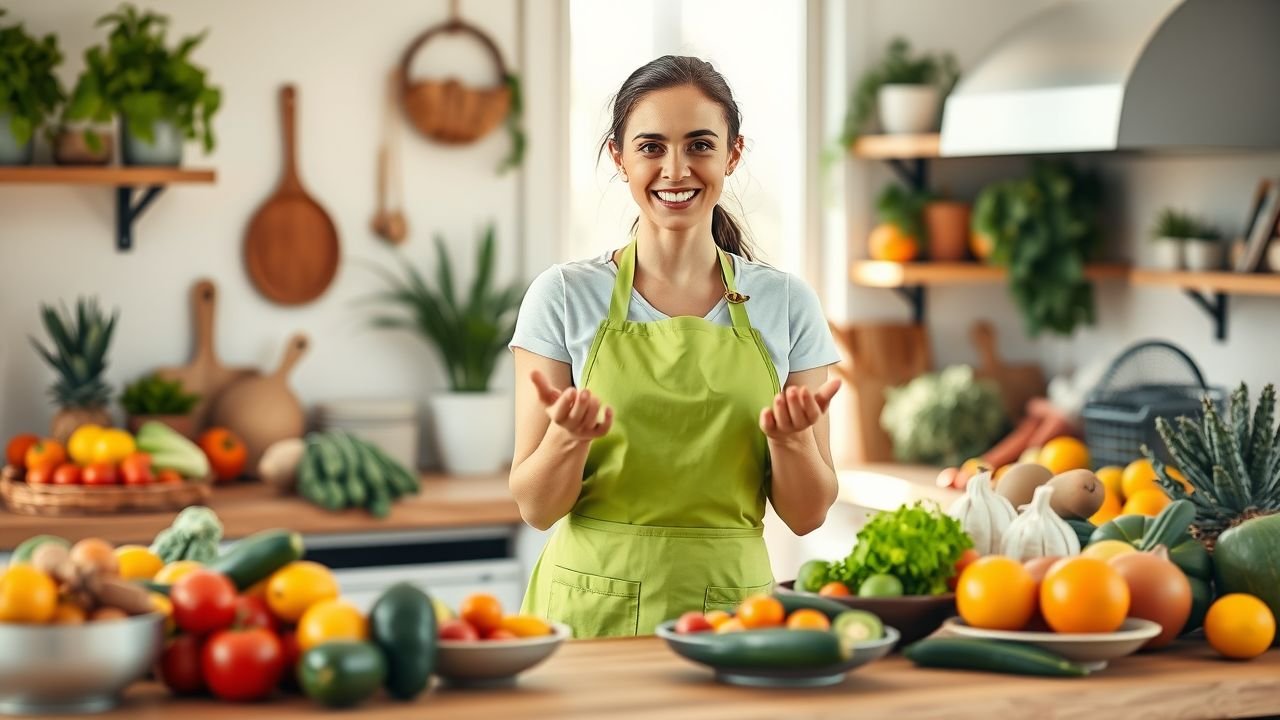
(263, 409)
(879, 356)
(1018, 383)
(205, 375)
(291, 249)
(389, 222)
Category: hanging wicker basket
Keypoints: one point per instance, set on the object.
(57, 500)
(446, 110)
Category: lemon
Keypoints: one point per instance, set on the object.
(80, 445)
(1107, 549)
(137, 562)
(112, 446)
(170, 574)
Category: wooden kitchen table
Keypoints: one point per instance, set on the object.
(640, 678)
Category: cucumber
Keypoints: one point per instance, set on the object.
(330, 456)
(772, 648)
(341, 673)
(1169, 528)
(357, 491)
(254, 558)
(379, 505)
(793, 602)
(991, 656)
(402, 623)
(408, 482)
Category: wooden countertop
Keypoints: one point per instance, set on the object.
(640, 678)
(245, 508)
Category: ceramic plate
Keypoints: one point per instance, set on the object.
(1092, 650)
(495, 662)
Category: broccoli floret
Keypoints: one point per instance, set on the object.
(194, 535)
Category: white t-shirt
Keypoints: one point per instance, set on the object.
(565, 305)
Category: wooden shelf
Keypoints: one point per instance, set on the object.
(897, 147)
(1224, 282)
(883, 274)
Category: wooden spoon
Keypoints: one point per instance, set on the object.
(389, 224)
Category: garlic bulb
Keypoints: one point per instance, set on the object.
(1039, 532)
(983, 514)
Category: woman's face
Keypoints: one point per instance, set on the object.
(675, 154)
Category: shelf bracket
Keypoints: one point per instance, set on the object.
(1215, 308)
(914, 173)
(915, 297)
(127, 212)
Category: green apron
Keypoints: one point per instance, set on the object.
(673, 497)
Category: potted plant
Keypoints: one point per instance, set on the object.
(159, 95)
(1168, 239)
(946, 225)
(29, 90)
(154, 398)
(1204, 251)
(907, 90)
(897, 237)
(80, 344)
(473, 424)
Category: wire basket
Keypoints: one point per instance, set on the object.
(1148, 380)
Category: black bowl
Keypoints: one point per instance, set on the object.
(915, 616)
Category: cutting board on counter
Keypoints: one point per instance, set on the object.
(1018, 383)
(878, 356)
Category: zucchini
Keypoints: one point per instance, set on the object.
(1169, 527)
(373, 472)
(793, 602)
(330, 456)
(379, 505)
(991, 656)
(772, 648)
(258, 556)
(402, 623)
(408, 482)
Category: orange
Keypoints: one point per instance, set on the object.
(483, 611)
(1111, 507)
(1138, 476)
(1239, 626)
(1182, 479)
(761, 611)
(45, 453)
(1146, 502)
(27, 595)
(525, 626)
(981, 244)
(16, 451)
(69, 613)
(1064, 453)
(1084, 595)
(996, 593)
(136, 562)
(329, 620)
(808, 619)
(835, 588)
(1112, 477)
(733, 624)
(297, 586)
(174, 571)
(718, 618)
(888, 242)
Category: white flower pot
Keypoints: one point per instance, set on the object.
(1203, 256)
(1167, 253)
(475, 432)
(906, 109)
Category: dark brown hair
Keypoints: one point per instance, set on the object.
(671, 71)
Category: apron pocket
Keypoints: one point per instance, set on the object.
(728, 598)
(594, 605)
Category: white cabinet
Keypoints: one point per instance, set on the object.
(450, 582)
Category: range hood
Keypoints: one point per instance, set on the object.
(1099, 75)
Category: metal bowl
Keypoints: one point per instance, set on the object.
(75, 668)
(495, 662)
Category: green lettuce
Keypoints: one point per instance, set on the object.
(918, 544)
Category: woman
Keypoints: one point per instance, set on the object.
(648, 406)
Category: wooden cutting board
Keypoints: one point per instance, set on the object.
(1018, 383)
(878, 356)
(291, 249)
(205, 374)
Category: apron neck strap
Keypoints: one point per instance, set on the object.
(620, 301)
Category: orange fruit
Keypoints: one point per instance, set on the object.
(718, 618)
(297, 586)
(1138, 476)
(175, 571)
(483, 611)
(1112, 477)
(69, 613)
(1147, 502)
(733, 624)
(1182, 479)
(1064, 453)
(1239, 626)
(137, 562)
(525, 626)
(835, 588)
(16, 451)
(996, 593)
(981, 244)
(888, 242)
(761, 611)
(27, 595)
(331, 619)
(1107, 549)
(1084, 595)
(808, 619)
(1111, 507)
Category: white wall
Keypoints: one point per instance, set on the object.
(58, 240)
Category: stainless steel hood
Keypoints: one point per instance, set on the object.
(1098, 75)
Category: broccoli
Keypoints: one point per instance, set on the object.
(194, 535)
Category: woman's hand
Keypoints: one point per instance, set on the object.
(796, 409)
(574, 411)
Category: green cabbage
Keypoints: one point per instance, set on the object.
(943, 418)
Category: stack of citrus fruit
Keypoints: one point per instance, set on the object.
(1133, 490)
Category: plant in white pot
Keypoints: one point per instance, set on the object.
(474, 425)
(1182, 241)
(29, 90)
(906, 90)
(1204, 251)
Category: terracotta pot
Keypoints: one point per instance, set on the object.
(947, 227)
(184, 425)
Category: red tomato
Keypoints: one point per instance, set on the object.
(44, 452)
(135, 469)
(99, 474)
(252, 612)
(66, 474)
(242, 665)
(289, 644)
(16, 452)
(693, 622)
(41, 474)
(966, 557)
(180, 665)
(458, 629)
(203, 601)
(227, 454)
(168, 475)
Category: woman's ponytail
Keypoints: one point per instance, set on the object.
(728, 234)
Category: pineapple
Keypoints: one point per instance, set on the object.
(1234, 468)
(79, 349)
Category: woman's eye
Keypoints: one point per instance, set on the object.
(701, 146)
(649, 148)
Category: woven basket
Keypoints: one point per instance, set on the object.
(81, 500)
(446, 110)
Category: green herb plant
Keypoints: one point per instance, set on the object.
(515, 130)
(139, 77)
(904, 208)
(918, 544)
(153, 395)
(29, 90)
(899, 66)
(1171, 223)
(943, 418)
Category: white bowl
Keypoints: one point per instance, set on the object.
(1092, 650)
(495, 662)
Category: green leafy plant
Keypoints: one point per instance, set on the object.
(1171, 223)
(898, 67)
(471, 333)
(903, 207)
(918, 544)
(140, 78)
(1044, 228)
(29, 91)
(79, 345)
(153, 395)
(943, 418)
(515, 130)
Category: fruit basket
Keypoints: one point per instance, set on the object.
(54, 500)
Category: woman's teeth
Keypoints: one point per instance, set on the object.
(676, 197)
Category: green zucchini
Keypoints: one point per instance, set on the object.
(1169, 527)
(402, 623)
(256, 557)
(330, 456)
(991, 656)
(772, 648)
(341, 673)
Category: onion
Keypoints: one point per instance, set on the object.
(1158, 591)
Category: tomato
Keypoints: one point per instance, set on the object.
(761, 611)
(203, 601)
(16, 452)
(482, 611)
(44, 452)
(135, 469)
(99, 474)
(835, 588)
(243, 665)
(693, 622)
(180, 665)
(252, 612)
(168, 475)
(65, 474)
(41, 474)
(226, 452)
(289, 644)
(457, 629)
(965, 560)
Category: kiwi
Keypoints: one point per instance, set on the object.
(1019, 482)
(1077, 494)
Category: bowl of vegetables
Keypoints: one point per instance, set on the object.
(484, 646)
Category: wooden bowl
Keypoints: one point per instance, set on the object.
(915, 616)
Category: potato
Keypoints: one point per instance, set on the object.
(129, 597)
(1076, 494)
(108, 613)
(96, 554)
(1019, 482)
(50, 559)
